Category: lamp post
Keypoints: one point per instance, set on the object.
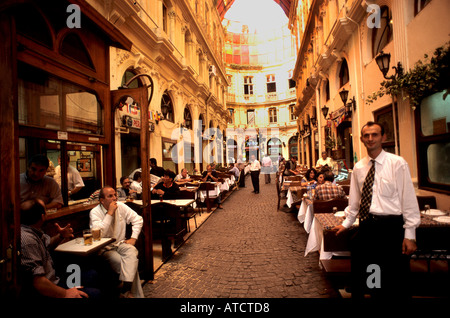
(383, 60)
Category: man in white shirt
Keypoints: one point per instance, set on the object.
(386, 237)
(183, 177)
(325, 160)
(266, 164)
(112, 217)
(74, 180)
(255, 170)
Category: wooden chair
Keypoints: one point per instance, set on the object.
(188, 212)
(167, 224)
(278, 185)
(206, 186)
(326, 206)
(346, 188)
(426, 199)
(293, 178)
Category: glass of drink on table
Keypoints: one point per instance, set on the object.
(87, 237)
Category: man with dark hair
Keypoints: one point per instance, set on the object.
(39, 275)
(155, 170)
(167, 189)
(382, 195)
(112, 217)
(125, 191)
(328, 190)
(34, 184)
(291, 166)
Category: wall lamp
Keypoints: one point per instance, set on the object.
(325, 111)
(352, 102)
(383, 60)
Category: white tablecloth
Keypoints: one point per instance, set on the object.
(315, 242)
(306, 215)
(212, 193)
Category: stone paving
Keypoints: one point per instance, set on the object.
(247, 250)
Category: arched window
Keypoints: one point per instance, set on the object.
(383, 35)
(129, 74)
(327, 90)
(73, 47)
(343, 73)
(187, 118)
(167, 107)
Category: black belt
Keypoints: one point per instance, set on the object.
(377, 217)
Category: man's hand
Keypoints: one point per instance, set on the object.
(408, 247)
(75, 293)
(339, 229)
(112, 208)
(64, 232)
(131, 241)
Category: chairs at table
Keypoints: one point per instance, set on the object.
(188, 212)
(326, 206)
(293, 178)
(346, 188)
(426, 199)
(279, 194)
(206, 186)
(167, 224)
(196, 177)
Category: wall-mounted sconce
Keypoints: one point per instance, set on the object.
(351, 106)
(314, 121)
(383, 60)
(325, 111)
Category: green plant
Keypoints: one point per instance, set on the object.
(330, 142)
(425, 79)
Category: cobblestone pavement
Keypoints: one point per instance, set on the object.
(247, 250)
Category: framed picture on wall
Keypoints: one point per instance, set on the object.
(84, 165)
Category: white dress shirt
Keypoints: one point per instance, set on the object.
(74, 178)
(115, 226)
(393, 191)
(255, 165)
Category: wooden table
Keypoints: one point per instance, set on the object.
(430, 235)
(77, 247)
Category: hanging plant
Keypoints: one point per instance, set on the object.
(425, 79)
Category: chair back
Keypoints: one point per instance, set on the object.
(186, 194)
(293, 178)
(346, 188)
(195, 177)
(206, 186)
(423, 200)
(326, 206)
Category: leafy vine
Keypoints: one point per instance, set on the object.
(425, 79)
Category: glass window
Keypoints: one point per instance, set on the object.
(49, 102)
(169, 150)
(433, 135)
(248, 85)
(383, 35)
(272, 115)
(167, 107)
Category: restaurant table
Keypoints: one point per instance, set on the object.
(306, 214)
(77, 247)
(431, 235)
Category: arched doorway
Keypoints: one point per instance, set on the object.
(274, 148)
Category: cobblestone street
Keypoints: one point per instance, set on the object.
(248, 249)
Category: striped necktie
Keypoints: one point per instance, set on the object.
(366, 196)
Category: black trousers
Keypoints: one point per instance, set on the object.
(255, 180)
(378, 266)
(242, 179)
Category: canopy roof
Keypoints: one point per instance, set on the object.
(224, 5)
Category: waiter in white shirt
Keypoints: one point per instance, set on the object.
(255, 170)
(386, 234)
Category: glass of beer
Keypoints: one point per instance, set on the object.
(87, 237)
(96, 234)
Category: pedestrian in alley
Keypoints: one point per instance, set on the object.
(255, 170)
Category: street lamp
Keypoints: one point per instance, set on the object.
(352, 102)
(325, 111)
(383, 60)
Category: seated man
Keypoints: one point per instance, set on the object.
(328, 190)
(167, 190)
(125, 191)
(234, 170)
(112, 217)
(34, 184)
(39, 274)
(211, 176)
(136, 184)
(183, 177)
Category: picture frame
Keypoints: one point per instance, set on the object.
(84, 165)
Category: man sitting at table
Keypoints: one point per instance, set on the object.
(183, 177)
(125, 191)
(328, 190)
(210, 175)
(167, 189)
(234, 170)
(112, 218)
(34, 184)
(38, 272)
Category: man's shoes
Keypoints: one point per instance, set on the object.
(256, 192)
(127, 294)
(220, 206)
